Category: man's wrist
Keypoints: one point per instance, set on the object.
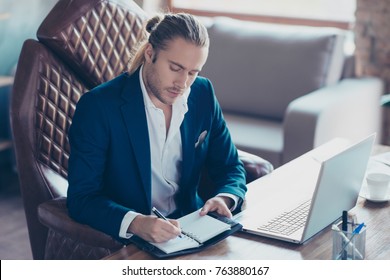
(230, 200)
(125, 225)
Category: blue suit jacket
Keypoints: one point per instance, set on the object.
(110, 168)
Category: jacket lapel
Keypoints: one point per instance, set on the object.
(134, 116)
(188, 145)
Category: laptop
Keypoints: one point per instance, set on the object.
(316, 187)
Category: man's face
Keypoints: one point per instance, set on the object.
(169, 73)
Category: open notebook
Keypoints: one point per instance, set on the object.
(198, 232)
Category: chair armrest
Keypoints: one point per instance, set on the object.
(54, 215)
(350, 109)
(254, 166)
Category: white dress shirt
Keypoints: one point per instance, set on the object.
(165, 151)
(166, 155)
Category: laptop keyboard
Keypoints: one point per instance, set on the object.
(288, 222)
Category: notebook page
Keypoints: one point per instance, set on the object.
(177, 244)
(202, 228)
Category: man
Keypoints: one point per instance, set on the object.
(141, 140)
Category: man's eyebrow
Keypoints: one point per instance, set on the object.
(182, 66)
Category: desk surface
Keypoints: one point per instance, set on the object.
(243, 246)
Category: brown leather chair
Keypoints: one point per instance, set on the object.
(80, 45)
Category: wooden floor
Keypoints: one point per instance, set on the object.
(14, 242)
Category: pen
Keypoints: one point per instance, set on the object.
(346, 242)
(356, 231)
(161, 216)
(158, 214)
(344, 228)
(353, 220)
(344, 225)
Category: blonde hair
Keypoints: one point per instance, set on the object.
(164, 28)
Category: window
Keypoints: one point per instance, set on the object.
(338, 13)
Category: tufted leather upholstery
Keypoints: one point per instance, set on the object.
(80, 45)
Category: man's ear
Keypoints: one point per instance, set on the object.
(149, 53)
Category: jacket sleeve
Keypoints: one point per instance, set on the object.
(89, 142)
(222, 162)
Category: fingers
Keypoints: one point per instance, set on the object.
(175, 223)
(164, 230)
(217, 204)
(153, 229)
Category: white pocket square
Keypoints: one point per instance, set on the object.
(201, 138)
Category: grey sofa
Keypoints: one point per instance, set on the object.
(287, 89)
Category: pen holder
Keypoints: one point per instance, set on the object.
(350, 244)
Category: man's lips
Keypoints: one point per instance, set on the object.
(175, 92)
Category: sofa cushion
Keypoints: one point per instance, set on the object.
(258, 68)
(257, 136)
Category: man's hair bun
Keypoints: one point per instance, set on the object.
(152, 23)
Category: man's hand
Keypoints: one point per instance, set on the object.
(153, 229)
(221, 204)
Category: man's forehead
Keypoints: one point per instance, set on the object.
(185, 54)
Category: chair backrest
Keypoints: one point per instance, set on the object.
(80, 45)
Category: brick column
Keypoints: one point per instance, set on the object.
(372, 39)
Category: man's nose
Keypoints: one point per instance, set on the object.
(182, 81)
